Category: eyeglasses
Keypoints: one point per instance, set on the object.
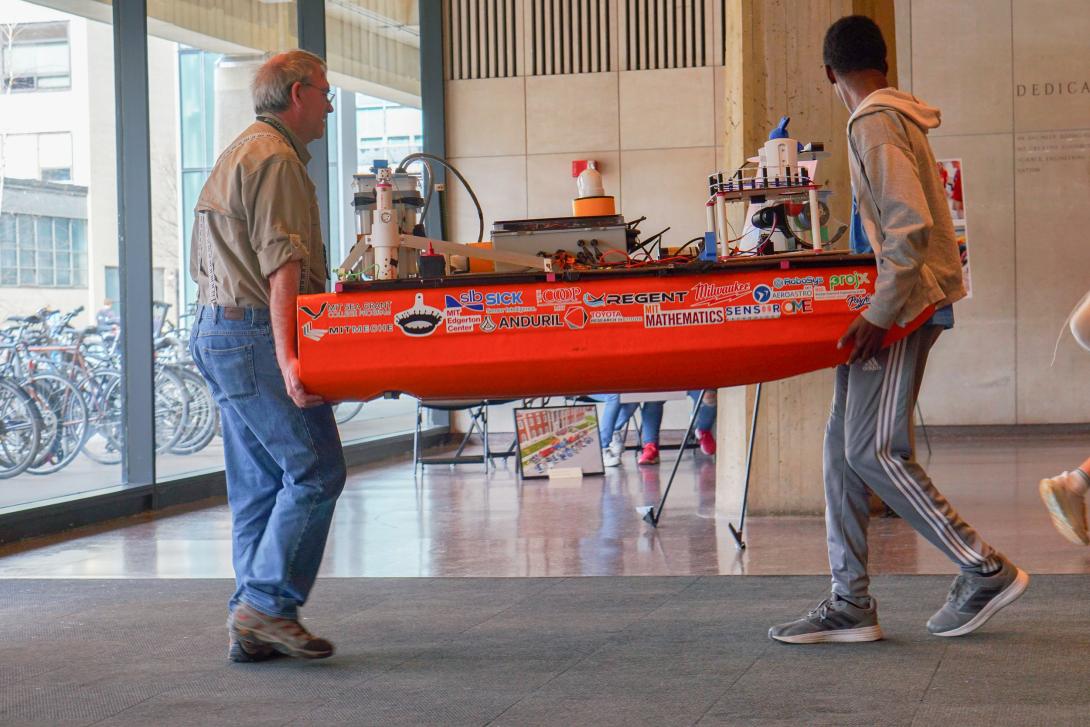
(330, 93)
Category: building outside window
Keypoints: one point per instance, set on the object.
(49, 252)
(386, 130)
(35, 56)
(45, 156)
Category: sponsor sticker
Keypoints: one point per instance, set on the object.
(848, 280)
(658, 296)
(751, 312)
(420, 320)
(576, 318)
(476, 300)
(858, 302)
(713, 294)
(612, 316)
(558, 297)
(458, 321)
(798, 280)
(314, 314)
(797, 306)
(655, 317)
(548, 320)
(354, 329)
(823, 294)
(314, 334)
(762, 293)
(359, 310)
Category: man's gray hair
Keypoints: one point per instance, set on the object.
(273, 81)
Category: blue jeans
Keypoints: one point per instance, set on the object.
(615, 415)
(285, 466)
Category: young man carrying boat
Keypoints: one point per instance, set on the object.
(899, 212)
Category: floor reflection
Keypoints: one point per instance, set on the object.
(460, 522)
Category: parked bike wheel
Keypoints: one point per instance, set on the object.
(171, 409)
(20, 430)
(105, 438)
(203, 414)
(64, 410)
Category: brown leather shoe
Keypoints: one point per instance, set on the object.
(286, 635)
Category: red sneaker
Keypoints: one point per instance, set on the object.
(649, 455)
(706, 440)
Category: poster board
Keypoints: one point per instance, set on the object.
(952, 174)
(558, 437)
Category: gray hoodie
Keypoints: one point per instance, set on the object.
(902, 206)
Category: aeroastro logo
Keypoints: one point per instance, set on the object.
(848, 280)
(420, 320)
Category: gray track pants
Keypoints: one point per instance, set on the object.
(869, 441)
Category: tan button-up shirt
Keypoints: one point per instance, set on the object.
(257, 211)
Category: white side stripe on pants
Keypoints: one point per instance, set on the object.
(895, 468)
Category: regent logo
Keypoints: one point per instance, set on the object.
(420, 320)
(558, 296)
(848, 280)
(713, 294)
(657, 296)
(576, 318)
(314, 316)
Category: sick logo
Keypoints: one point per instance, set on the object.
(420, 320)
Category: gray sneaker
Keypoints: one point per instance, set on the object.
(975, 599)
(832, 620)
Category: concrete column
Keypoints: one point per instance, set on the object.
(234, 102)
(775, 69)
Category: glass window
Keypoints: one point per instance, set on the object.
(200, 101)
(41, 220)
(44, 259)
(34, 56)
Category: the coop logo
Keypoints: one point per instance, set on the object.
(558, 296)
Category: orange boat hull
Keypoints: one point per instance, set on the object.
(642, 329)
